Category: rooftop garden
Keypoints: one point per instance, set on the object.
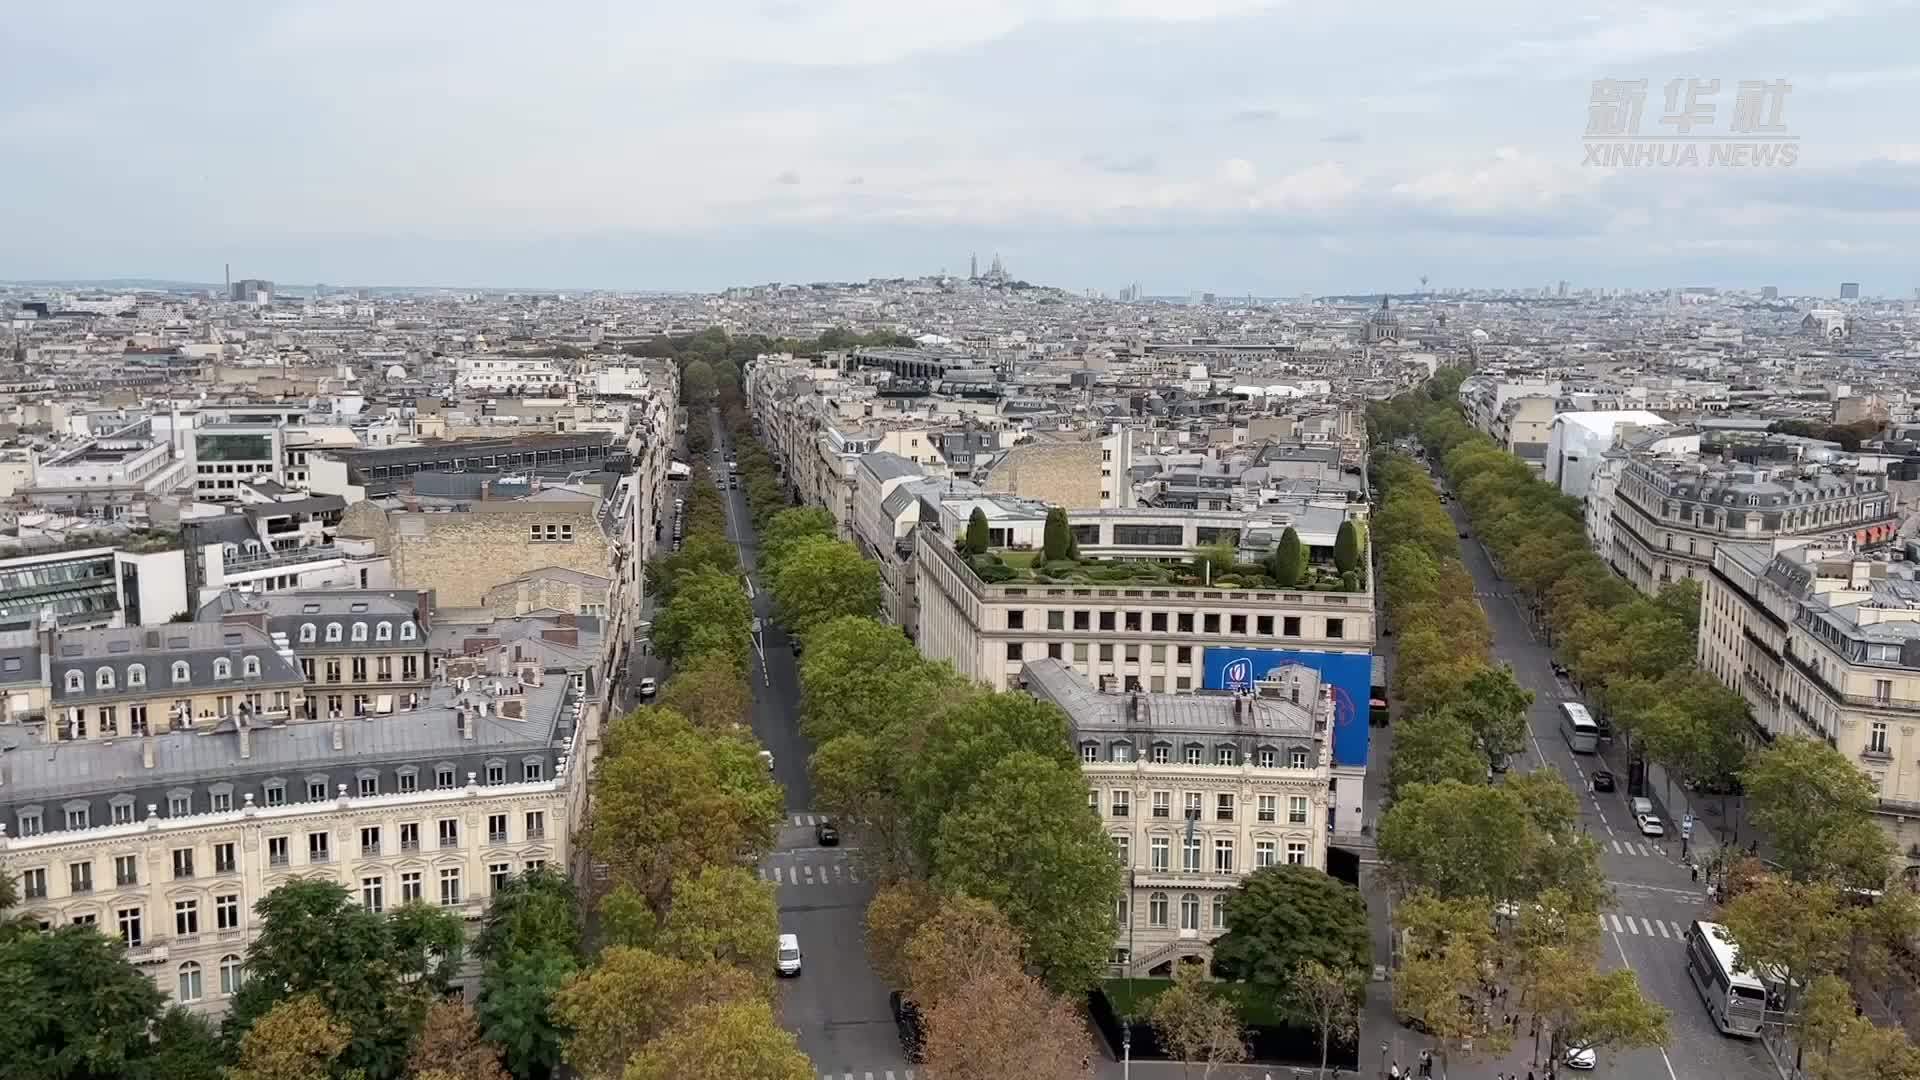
(1291, 565)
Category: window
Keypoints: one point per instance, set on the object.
(450, 887)
(496, 772)
(123, 813)
(76, 682)
(1189, 912)
(76, 817)
(449, 832)
(306, 632)
(1336, 628)
(126, 870)
(1122, 849)
(406, 631)
(370, 841)
(359, 631)
(1263, 854)
(1290, 626)
(1223, 807)
(222, 668)
(409, 780)
(1296, 809)
(33, 884)
(1190, 854)
(443, 776)
(1093, 801)
(1265, 759)
(410, 836)
(130, 930)
(1223, 856)
(189, 982)
(373, 892)
(226, 911)
(1106, 621)
(1157, 910)
(1297, 758)
(182, 863)
(410, 887)
(1210, 622)
(536, 824)
(1193, 754)
(136, 674)
(275, 794)
(1015, 650)
(1016, 619)
(1158, 852)
(1161, 752)
(319, 847)
(497, 875)
(230, 974)
(276, 851)
(1296, 852)
(1266, 811)
(1106, 653)
(316, 790)
(186, 917)
(223, 858)
(80, 877)
(179, 805)
(181, 672)
(1121, 803)
(250, 667)
(1263, 625)
(383, 632)
(1183, 654)
(1192, 805)
(1089, 752)
(1236, 624)
(103, 679)
(532, 769)
(1877, 738)
(1082, 621)
(1225, 755)
(369, 785)
(1220, 911)
(333, 631)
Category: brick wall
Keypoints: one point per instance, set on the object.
(1060, 474)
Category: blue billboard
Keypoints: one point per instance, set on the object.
(1349, 674)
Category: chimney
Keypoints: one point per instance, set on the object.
(245, 731)
(339, 737)
(146, 751)
(467, 726)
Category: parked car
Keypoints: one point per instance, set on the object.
(912, 1029)
(1560, 669)
(648, 688)
(767, 756)
(787, 961)
(1463, 534)
(1580, 1056)
(1602, 780)
(1651, 825)
(1642, 806)
(826, 835)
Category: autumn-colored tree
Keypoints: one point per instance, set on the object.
(631, 997)
(449, 1044)
(725, 1041)
(710, 692)
(1003, 1024)
(1196, 1024)
(296, 1039)
(964, 938)
(896, 913)
(1328, 1000)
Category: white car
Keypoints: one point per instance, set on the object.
(1651, 826)
(1580, 1056)
(648, 687)
(767, 756)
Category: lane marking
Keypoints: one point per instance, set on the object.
(1615, 919)
(1662, 927)
(1622, 949)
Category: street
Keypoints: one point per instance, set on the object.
(837, 1006)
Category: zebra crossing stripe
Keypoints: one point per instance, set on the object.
(1616, 922)
(1663, 929)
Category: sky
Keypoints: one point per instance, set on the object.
(1234, 146)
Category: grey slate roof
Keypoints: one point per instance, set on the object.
(155, 650)
(886, 465)
(288, 612)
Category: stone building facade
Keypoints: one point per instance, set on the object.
(460, 554)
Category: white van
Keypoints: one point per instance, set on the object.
(1642, 806)
(787, 960)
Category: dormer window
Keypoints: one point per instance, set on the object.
(181, 672)
(383, 632)
(307, 632)
(406, 631)
(333, 631)
(222, 668)
(359, 631)
(251, 666)
(103, 679)
(76, 682)
(136, 674)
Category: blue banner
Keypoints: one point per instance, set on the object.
(1349, 674)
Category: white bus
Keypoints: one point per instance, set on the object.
(1582, 734)
(1734, 996)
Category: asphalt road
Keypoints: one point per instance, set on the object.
(837, 1006)
(1655, 896)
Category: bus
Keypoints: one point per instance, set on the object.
(1582, 734)
(1734, 996)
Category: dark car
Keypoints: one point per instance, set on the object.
(1463, 534)
(825, 834)
(794, 644)
(1560, 669)
(1602, 780)
(913, 1029)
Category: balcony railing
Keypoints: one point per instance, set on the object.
(1864, 701)
(260, 560)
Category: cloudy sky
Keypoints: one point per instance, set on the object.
(1225, 145)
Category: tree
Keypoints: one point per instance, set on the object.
(1430, 747)
(821, 579)
(702, 550)
(373, 973)
(185, 1047)
(528, 946)
(449, 1043)
(1346, 547)
(858, 777)
(1817, 808)
(1197, 1025)
(1005, 1023)
(1493, 709)
(697, 385)
(631, 997)
(1023, 840)
(788, 527)
(963, 743)
(963, 938)
(74, 1007)
(1280, 917)
(531, 910)
(709, 614)
(862, 675)
(723, 1042)
(1448, 947)
(895, 914)
(1802, 930)
(1329, 1000)
(297, 1039)
(1507, 842)
(1288, 558)
(1056, 536)
(709, 691)
(978, 538)
(721, 915)
(672, 799)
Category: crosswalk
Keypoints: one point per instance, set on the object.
(806, 820)
(1642, 926)
(836, 873)
(1636, 847)
(871, 1074)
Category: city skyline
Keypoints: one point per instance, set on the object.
(1228, 146)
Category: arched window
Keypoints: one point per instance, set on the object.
(333, 631)
(359, 631)
(222, 668)
(76, 682)
(103, 679)
(383, 632)
(406, 631)
(181, 672)
(136, 674)
(230, 975)
(189, 982)
(251, 666)
(307, 631)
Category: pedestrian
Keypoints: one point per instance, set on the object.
(1394, 1072)
(1695, 868)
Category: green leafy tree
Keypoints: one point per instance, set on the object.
(709, 615)
(700, 551)
(819, 580)
(962, 745)
(1056, 536)
(185, 1047)
(1346, 547)
(672, 798)
(299, 1038)
(1447, 947)
(632, 996)
(789, 527)
(1022, 839)
(1431, 747)
(978, 538)
(860, 777)
(1801, 930)
(697, 384)
(862, 675)
(516, 1010)
(1504, 843)
(1281, 917)
(1288, 558)
(1493, 708)
(723, 1042)
(721, 915)
(1197, 1025)
(1817, 807)
(75, 1009)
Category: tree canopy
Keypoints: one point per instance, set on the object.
(1281, 917)
(819, 579)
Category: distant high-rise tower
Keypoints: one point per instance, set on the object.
(973, 267)
(1849, 290)
(1769, 292)
(1563, 290)
(999, 271)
